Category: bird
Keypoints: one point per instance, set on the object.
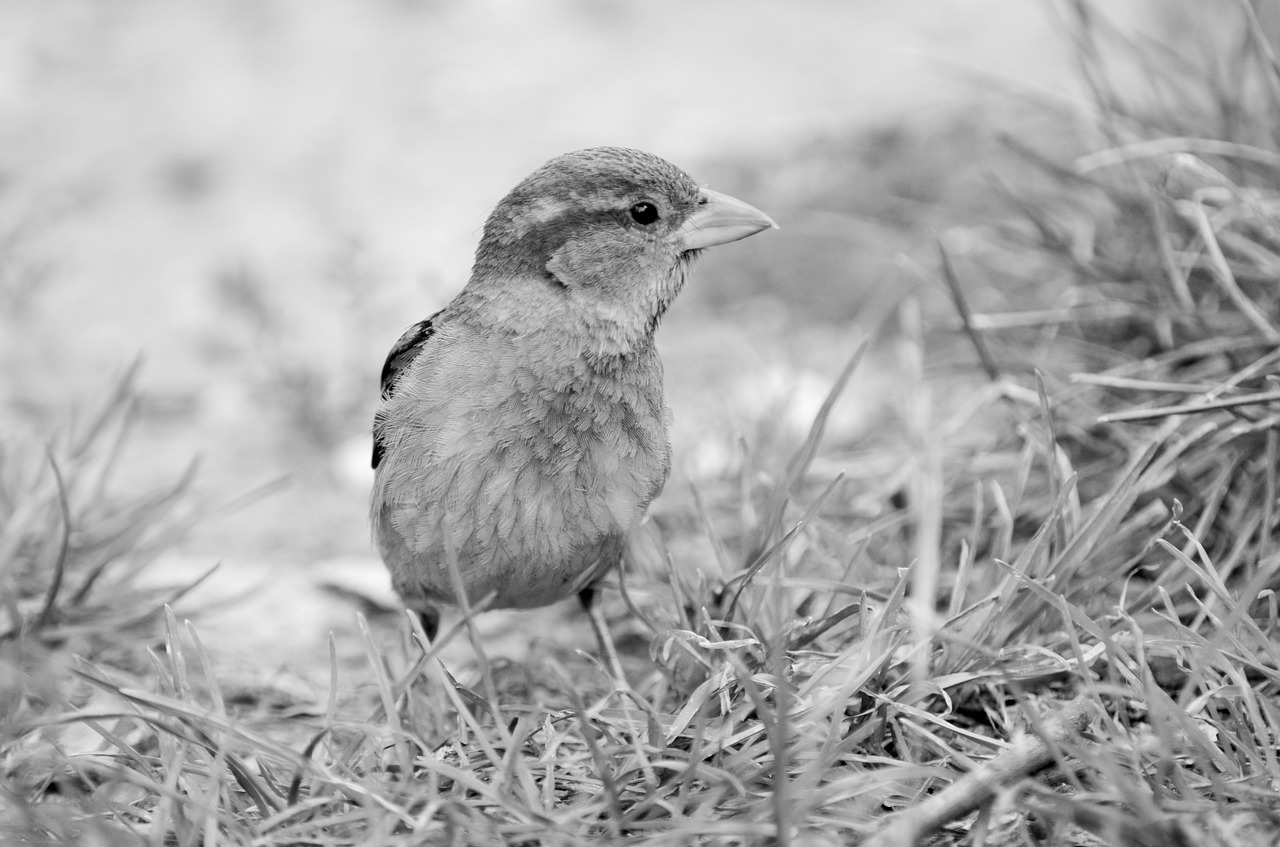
(522, 430)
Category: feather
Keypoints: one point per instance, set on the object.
(406, 349)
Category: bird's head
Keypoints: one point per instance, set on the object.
(609, 230)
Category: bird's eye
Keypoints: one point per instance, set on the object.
(644, 213)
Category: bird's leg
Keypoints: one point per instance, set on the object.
(430, 618)
(587, 597)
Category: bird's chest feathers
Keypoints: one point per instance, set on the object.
(538, 434)
(599, 438)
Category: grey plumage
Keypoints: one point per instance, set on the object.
(523, 428)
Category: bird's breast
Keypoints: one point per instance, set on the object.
(534, 468)
(600, 440)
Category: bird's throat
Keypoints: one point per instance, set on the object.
(620, 320)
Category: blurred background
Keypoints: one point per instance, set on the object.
(256, 197)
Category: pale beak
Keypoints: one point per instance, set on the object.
(720, 219)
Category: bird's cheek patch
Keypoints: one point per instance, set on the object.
(559, 268)
(575, 263)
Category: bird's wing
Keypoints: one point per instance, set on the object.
(408, 348)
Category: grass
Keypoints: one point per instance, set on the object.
(1039, 607)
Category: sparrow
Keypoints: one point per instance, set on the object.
(522, 430)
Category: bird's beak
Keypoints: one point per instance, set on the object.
(720, 219)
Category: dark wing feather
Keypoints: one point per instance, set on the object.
(408, 348)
